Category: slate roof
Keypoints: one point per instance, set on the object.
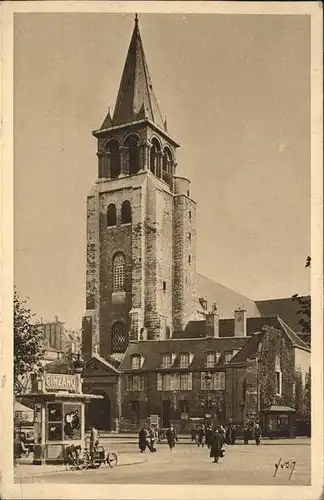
(136, 98)
(227, 300)
(152, 351)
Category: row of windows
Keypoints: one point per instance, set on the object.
(177, 382)
(126, 213)
(185, 359)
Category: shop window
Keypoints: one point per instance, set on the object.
(126, 212)
(72, 421)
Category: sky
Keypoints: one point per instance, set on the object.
(236, 93)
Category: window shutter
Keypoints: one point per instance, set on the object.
(222, 381)
(173, 357)
(189, 381)
(191, 357)
(159, 381)
(203, 381)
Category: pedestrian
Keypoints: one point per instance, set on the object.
(142, 439)
(209, 436)
(201, 437)
(153, 436)
(222, 431)
(216, 449)
(94, 440)
(228, 434)
(233, 434)
(193, 433)
(171, 437)
(257, 434)
(246, 434)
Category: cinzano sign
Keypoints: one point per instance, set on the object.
(60, 382)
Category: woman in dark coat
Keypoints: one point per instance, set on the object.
(142, 439)
(216, 445)
(171, 437)
(209, 436)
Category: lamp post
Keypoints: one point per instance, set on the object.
(208, 379)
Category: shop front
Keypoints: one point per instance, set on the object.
(59, 414)
(278, 421)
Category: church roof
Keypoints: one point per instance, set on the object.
(136, 98)
(227, 300)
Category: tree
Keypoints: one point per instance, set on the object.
(28, 344)
(304, 311)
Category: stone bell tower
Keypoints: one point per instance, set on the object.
(141, 234)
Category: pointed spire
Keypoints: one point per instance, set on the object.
(136, 99)
(107, 121)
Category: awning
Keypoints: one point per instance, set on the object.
(22, 408)
(279, 409)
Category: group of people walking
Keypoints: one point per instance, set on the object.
(147, 438)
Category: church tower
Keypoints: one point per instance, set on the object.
(141, 232)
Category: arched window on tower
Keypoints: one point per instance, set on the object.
(132, 143)
(155, 153)
(114, 152)
(126, 212)
(118, 338)
(167, 161)
(111, 215)
(119, 272)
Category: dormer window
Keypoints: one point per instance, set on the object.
(184, 360)
(166, 361)
(136, 362)
(210, 360)
(228, 356)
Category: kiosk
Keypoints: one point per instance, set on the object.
(59, 416)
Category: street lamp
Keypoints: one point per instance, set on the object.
(208, 379)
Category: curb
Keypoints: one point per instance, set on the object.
(60, 471)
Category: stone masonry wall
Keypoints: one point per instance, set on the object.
(184, 258)
(112, 240)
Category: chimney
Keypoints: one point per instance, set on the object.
(203, 303)
(240, 323)
(212, 323)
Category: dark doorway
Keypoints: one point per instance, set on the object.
(166, 413)
(98, 412)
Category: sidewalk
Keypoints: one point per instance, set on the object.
(27, 469)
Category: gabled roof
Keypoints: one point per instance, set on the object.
(152, 351)
(99, 360)
(136, 98)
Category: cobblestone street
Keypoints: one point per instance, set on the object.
(187, 464)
